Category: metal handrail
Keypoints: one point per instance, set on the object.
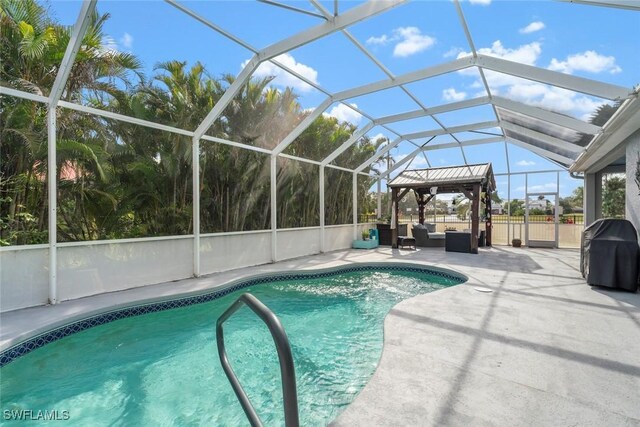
(287, 370)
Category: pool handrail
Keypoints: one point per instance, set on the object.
(287, 369)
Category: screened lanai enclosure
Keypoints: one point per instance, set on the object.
(144, 142)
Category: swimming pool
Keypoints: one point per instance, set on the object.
(162, 368)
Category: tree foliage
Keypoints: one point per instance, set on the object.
(118, 180)
(613, 197)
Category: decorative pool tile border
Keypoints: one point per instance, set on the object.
(33, 343)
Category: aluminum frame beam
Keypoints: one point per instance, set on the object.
(52, 203)
(227, 96)
(305, 123)
(546, 115)
(439, 109)
(547, 139)
(273, 189)
(75, 41)
(352, 16)
(321, 208)
(348, 143)
(453, 129)
(211, 25)
(436, 70)
(24, 95)
(395, 167)
(474, 52)
(470, 142)
(291, 8)
(554, 78)
(390, 146)
(410, 76)
(384, 69)
(540, 151)
(127, 119)
(481, 125)
(620, 4)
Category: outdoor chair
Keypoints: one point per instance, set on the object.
(426, 238)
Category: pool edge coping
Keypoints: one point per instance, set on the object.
(214, 292)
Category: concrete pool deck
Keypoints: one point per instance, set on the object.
(541, 348)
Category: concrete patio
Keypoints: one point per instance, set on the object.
(524, 342)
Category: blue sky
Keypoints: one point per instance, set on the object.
(588, 41)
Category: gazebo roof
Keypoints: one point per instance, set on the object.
(447, 179)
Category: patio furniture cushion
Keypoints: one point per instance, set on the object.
(406, 241)
(424, 238)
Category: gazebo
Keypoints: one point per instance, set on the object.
(476, 182)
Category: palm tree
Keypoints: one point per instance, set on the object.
(32, 47)
(121, 180)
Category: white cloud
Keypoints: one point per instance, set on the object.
(549, 97)
(382, 40)
(589, 61)
(410, 41)
(454, 51)
(345, 114)
(377, 136)
(451, 94)
(283, 78)
(532, 28)
(540, 188)
(525, 163)
(480, 2)
(529, 92)
(109, 45)
(525, 54)
(417, 162)
(413, 41)
(127, 41)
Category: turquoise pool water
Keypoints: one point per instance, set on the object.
(162, 369)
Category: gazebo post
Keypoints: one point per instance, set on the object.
(475, 218)
(394, 223)
(421, 205)
(488, 225)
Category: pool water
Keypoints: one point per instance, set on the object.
(162, 369)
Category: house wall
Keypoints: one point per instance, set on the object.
(591, 199)
(632, 187)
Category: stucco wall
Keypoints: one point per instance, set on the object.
(632, 190)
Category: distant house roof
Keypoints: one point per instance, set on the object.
(447, 179)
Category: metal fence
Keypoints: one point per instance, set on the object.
(496, 219)
(505, 229)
